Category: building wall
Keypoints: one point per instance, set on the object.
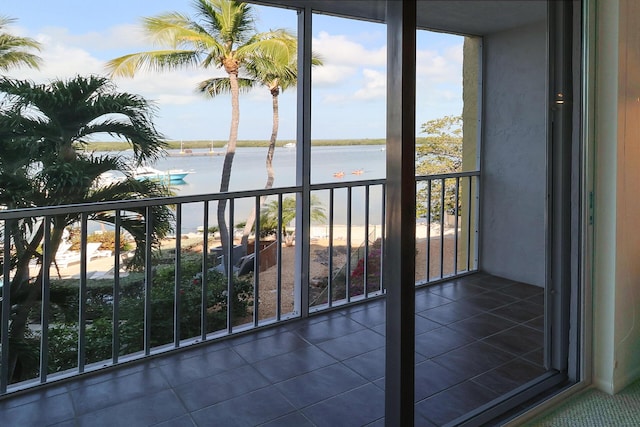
(616, 278)
(513, 169)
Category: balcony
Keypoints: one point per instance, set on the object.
(476, 338)
(299, 356)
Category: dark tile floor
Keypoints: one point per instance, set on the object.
(476, 338)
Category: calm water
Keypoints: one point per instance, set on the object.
(249, 173)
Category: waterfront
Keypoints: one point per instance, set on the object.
(249, 173)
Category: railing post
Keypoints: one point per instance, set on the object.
(82, 295)
(303, 157)
(115, 330)
(347, 267)
(177, 278)
(205, 270)
(256, 265)
(6, 306)
(279, 261)
(148, 279)
(228, 260)
(45, 301)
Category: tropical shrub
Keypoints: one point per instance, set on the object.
(63, 330)
(373, 272)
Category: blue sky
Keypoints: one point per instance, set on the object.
(348, 99)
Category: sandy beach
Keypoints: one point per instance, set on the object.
(319, 270)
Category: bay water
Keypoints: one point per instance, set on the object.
(329, 164)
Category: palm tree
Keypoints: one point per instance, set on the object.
(269, 215)
(43, 128)
(276, 78)
(222, 36)
(14, 50)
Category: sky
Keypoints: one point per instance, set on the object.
(348, 91)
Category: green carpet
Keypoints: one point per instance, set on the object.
(595, 408)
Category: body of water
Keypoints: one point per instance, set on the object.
(249, 173)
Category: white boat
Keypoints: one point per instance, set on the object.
(290, 145)
(171, 176)
(107, 178)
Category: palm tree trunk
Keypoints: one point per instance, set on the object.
(269, 165)
(228, 163)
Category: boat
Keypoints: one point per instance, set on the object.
(171, 176)
(358, 172)
(106, 179)
(290, 145)
(339, 174)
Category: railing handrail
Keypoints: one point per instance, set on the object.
(170, 200)
(447, 175)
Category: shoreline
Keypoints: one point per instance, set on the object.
(219, 144)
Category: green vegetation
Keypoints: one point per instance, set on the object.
(440, 152)
(42, 128)
(269, 216)
(63, 332)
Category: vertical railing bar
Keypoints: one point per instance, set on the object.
(229, 268)
(348, 261)
(256, 266)
(279, 261)
(429, 195)
(366, 242)
(383, 237)
(177, 278)
(476, 244)
(204, 273)
(148, 279)
(455, 230)
(115, 327)
(442, 188)
(330, 264)
(6, 305)
(469, 223)
(44, 309)
(82, 291)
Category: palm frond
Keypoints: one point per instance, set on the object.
(158, 60)
(222, 85)
(230, 21)
(15, 51)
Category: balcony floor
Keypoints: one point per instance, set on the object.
(476, 338)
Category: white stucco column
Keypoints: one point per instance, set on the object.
(616, 277)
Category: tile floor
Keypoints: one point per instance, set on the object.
(476, 338)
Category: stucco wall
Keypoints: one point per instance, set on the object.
(616, 283)
(514, 155)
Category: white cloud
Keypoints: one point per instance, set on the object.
(440, 67)
(455, 53)
(60, 61)
(124, 37)
(375, 85)
(339, 49)
(331, 74)
(342, 58)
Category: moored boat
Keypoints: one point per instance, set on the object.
(172, 176)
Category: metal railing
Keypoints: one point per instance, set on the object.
(66, 311)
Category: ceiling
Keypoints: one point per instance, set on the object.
(472, 17)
